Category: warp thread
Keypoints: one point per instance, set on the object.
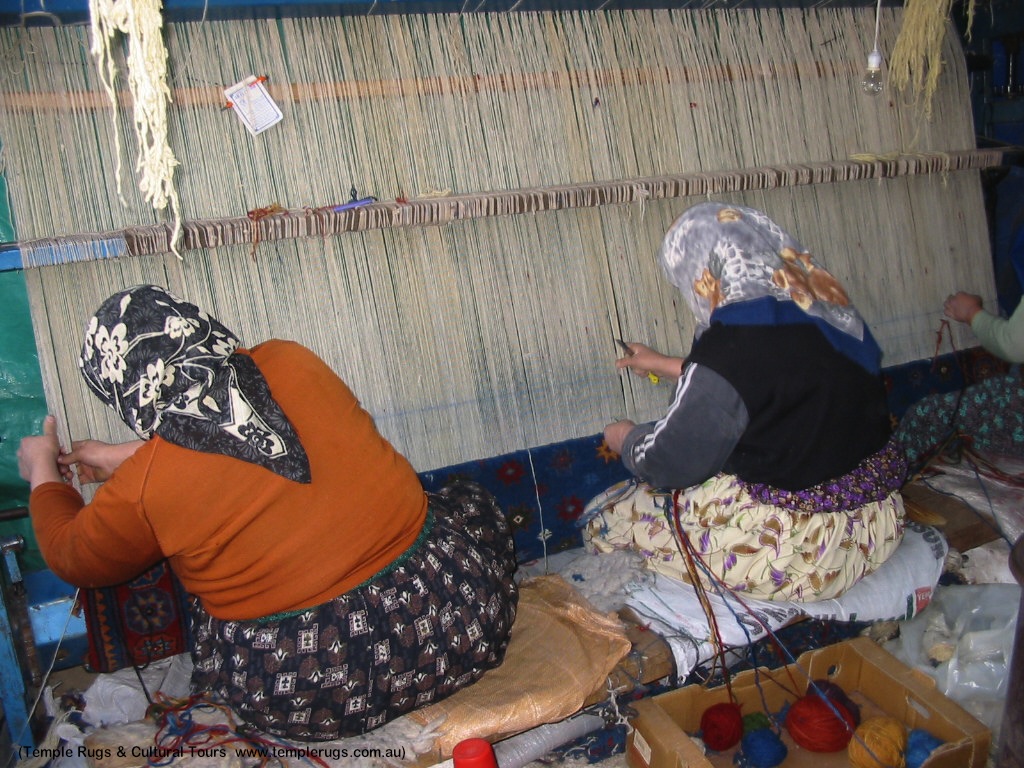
(879, 742)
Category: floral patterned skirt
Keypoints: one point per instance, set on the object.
(800, 546)
(428, 625)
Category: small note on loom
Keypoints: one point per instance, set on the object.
(253, 104)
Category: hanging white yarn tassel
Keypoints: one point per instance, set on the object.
(141, 21)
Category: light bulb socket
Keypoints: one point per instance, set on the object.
(874, 61)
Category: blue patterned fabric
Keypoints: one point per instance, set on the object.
(911, 382)
(542, 490)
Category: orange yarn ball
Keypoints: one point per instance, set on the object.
(721, 726)
(814, 725)
(879, 742)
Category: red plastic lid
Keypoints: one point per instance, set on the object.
(474, 753)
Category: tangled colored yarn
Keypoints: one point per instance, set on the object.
(762, 748)
(814, 725)
(879, 742)
(721, 726)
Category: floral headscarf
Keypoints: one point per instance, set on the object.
(168, 368)
(718, 254)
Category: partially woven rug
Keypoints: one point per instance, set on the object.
(138, 622)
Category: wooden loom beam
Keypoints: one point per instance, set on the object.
(432, 211)
(501, 82)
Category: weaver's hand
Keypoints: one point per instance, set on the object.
(38, 454)
(95, 460)
(644, 361)
(615, 434)
(962, 307)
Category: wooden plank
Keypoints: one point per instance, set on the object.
(649, 659)
(963, 527)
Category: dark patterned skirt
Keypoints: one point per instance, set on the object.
(989, 414)
(428, 625)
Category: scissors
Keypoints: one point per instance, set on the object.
(651, 376)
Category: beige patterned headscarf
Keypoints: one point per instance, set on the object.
(718, 254)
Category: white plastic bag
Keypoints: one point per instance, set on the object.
(964, 640)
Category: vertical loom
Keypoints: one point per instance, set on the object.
(525, 165)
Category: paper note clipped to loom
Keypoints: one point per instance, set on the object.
(253, 104)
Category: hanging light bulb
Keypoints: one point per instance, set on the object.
(872, 82)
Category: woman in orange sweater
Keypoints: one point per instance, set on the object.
(332, 593)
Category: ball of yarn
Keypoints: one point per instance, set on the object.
(763, 748)
(721, 726)
(879, 742)
(834, 693)
(920, 745)
(755, 720)
(815, 725)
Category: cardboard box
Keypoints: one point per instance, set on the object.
(874, 679)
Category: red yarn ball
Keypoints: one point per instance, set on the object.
(721, 726)
(814, 725)
(834, 693)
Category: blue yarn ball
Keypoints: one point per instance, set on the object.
(920, 744)
(763, 748)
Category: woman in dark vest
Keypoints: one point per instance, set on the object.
(774, 460)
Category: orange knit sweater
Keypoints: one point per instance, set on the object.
(246, 541)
